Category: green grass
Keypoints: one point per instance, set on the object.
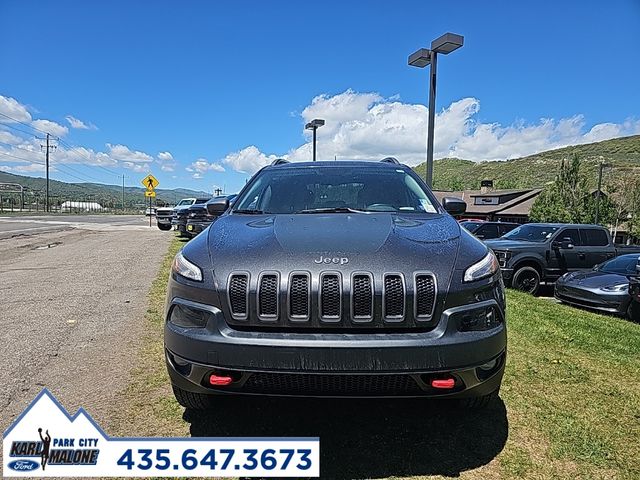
(571, 392)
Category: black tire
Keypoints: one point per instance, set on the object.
(479, 403)
(162, 226)
(526, 279)
(633, 312)
(194, 401)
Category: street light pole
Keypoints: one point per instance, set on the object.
(445, 44)
(432, 118)
(314, 125)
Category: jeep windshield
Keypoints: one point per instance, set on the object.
(334, 189)
(531, 233)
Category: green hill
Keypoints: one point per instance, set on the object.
(106, 195)
(623, 154)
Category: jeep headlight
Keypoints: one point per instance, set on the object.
(185, 268)
(483, 269)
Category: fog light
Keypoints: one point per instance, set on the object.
(443, 383)
(489, 365)
(478, 320)
(189, 317)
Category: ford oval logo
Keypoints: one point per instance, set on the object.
(23, 465)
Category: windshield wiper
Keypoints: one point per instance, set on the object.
(251, 212)
(332, 210)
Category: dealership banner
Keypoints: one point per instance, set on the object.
(45, 441)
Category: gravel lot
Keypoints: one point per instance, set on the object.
(71, 313)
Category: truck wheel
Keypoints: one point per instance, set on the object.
(162, 226)
(194, 401)
(633, 312)
(526, 279)
(479, 403)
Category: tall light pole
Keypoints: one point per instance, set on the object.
(314, 125)
(445, 44)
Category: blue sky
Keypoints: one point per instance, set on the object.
(224, 87)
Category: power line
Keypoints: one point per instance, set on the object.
(18, 129)
(21, 158)
(22, 123)
(71, 148)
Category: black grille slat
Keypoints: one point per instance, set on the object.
(325, 384)
(393, 296)
(330, 296)
(362, 296)
(299, 296)
(268, 296)
(238, 295)
(425, 295)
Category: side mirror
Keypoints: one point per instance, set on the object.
(454, 206)
(217, 206)
(566, 244)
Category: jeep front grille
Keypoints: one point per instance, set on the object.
(332, 300)
(330, 296)
(362, 297)
(268, 296)
(299, 296)
(393, 301)
(239, 295)
(425, 295)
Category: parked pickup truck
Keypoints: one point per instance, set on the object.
(543, 252)
(164, 215)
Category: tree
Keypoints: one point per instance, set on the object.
(569, 200)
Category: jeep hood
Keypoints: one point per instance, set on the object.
(376, 242)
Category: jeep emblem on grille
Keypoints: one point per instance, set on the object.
(334, 260)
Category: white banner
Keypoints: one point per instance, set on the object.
(45, 441)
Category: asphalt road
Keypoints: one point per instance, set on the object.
(12, 226)
(72, 304)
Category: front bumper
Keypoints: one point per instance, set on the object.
(196, 227)
(507, 274)
(163, 220)
(609, 302)
(336, 364)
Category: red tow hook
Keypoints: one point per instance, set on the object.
(443, 383)
(219, 380)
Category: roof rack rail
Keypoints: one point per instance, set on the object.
(391, 160)
(279, 161)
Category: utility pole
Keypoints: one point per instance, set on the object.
(47, 148)
(123, 193)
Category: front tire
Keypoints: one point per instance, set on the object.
(162, 226)
(526, 279)
(194, 401)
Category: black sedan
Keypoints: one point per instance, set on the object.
(605, 288)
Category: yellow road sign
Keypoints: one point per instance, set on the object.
(149, 193)
(150, 182)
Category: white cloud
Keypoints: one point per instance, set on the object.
(53, 128)
(11, 107)
(368, 126)
(31, 168)
(166, 162)
(124, 154)
(7, 137)
(79, 124)
(201, 166)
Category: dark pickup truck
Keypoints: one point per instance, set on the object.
(543, 252)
